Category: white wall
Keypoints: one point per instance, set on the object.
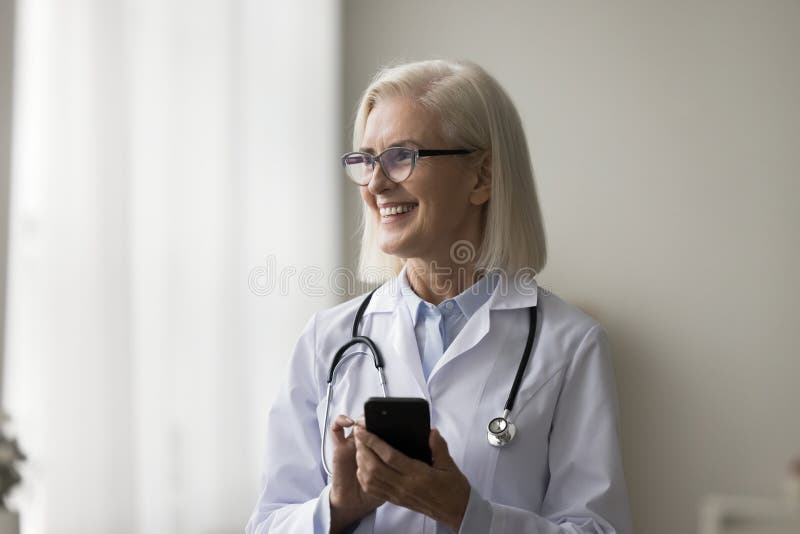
(665, 142)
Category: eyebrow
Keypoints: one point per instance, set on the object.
(401, 142)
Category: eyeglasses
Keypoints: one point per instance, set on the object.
(397, 162)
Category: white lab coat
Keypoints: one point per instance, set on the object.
(561, 474)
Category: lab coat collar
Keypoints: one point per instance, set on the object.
(518, 290)
(511, 292)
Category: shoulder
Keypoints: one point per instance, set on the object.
(561, 314)
(338, 318)
(325, 331)
(334, 325)
(566, 324)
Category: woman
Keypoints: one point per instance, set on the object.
(450, 209)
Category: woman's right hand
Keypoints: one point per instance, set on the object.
(348, 503)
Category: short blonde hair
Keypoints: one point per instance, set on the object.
(476, 113)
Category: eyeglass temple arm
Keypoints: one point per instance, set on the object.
(423, 153)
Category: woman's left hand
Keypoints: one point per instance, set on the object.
(440, 491)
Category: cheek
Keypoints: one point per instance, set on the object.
(444, 198)
(449, 187)
(368, 199)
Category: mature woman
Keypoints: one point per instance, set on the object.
(450, 211)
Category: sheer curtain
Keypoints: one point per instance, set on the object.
(173, 177)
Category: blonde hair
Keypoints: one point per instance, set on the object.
(476, 113)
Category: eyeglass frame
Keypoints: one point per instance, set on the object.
(418, 153)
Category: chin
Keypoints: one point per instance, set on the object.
(391, 250)
(395, 248)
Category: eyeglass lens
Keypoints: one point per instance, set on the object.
(396, 162)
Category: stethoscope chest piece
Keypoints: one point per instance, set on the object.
(500, 432)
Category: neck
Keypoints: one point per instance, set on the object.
(435, 282)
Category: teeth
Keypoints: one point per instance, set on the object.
(396, 210)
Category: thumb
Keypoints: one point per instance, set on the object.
(439, 451)
(337, 428)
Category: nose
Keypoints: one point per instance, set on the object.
(379, 182)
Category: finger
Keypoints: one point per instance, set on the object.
(373, 473)
(373, 487)
(377, 479)
(341, 422)
(440, 453)
(388, 454)
(337, 427)
(368, 455)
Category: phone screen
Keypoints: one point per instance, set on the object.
(402, 422)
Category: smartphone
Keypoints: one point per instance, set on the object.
(402, 422)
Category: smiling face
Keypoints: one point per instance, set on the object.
(439, 203)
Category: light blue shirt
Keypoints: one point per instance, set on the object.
(436, 326)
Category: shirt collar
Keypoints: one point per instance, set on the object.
(475, 296)
(468, 301)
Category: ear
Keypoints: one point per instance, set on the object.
(482, 191)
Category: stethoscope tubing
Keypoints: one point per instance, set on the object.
(339, 357)
(526, 355)
(329, 394)
(495, 439)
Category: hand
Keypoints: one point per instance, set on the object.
(348, 502)
(440, 491)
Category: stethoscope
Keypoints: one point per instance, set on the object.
(500, 430)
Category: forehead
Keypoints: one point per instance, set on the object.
(396, 119)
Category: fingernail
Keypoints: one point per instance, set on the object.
(349, 421)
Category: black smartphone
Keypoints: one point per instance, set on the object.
(402, 422)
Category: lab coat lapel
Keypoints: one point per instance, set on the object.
(401, 357)
(510, 293)
(473, 332)
(405, 349)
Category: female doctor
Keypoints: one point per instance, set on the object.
(450, 208)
